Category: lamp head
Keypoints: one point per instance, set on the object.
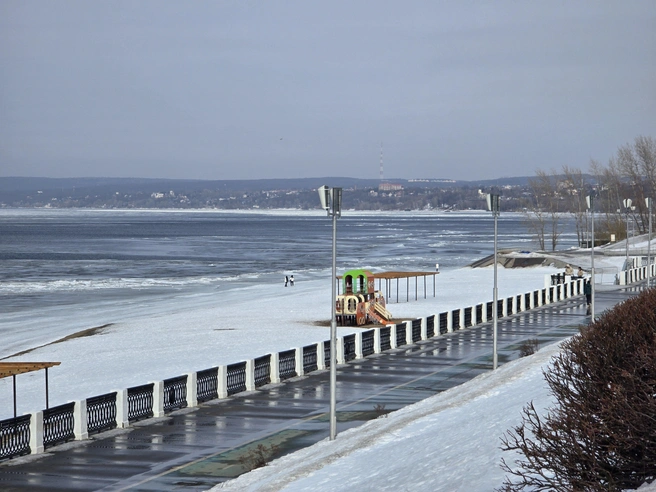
(336, 194)
(324, 196)
(493, 202)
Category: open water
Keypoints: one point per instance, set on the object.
(72, 266)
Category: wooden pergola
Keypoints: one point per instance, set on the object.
(389, 277)
(13, 369)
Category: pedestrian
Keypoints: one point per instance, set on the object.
(587, 290)
(580, 272)
(568, 270)
(291, 281)
(286, 280)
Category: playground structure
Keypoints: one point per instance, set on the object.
(360, 304)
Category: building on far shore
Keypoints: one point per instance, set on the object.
(390, 187)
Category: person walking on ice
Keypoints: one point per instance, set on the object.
(286, 280)
(291, 281)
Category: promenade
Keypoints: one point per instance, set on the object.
(197, 448)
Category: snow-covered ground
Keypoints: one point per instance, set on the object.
(202, 332)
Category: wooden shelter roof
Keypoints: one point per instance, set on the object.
(393, 275)
(14, 368)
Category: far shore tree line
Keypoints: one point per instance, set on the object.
(548, 200)
(629, 174)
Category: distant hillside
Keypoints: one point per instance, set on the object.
(363, 194)
(26, 184)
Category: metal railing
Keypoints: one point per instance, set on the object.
(58, 425)
(444, 323)
(416, 330)
(430, 326)
(262, 370)
(468, 317)
(101, 413)
(207, 384)
(236, 378)
(140, 402)
(455, 319)
(349, 347)
(385, 338)
(310, 362)
(175, 393)
(368, 338)
(400, 335)
(15, 437)
(287, 364)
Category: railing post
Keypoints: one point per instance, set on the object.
(122, 409)
(504, 307)
(275, 367)
(408, 332)
(158, 398)
(424, 329)
(192, 389)
(222, 381)
(298, 360)
(358, 345)
(321, 357)
(522, 303)
(392, 336)
(250, 374)
(339, 348)
(377, 341)
(531, 300)
(449, 321)
(80, 427)
(36, 433)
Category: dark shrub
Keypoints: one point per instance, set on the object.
(601, 435)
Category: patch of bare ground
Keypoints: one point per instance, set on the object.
(97, 330)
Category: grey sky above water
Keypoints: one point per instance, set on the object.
(265, 89)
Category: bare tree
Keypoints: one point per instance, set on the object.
(543, 215)
(576, 186)
(637, 165)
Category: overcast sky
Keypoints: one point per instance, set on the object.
(262, 89)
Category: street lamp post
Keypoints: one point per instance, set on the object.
(590, 201)
(493, 206)
(331, 202)
(648, 202)
(627, 207)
